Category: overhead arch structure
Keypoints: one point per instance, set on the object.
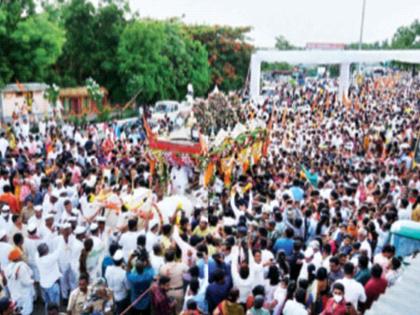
(323, 57)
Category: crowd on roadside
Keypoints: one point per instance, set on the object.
(306, 230)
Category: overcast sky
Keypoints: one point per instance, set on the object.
(300, 21)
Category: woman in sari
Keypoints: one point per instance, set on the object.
(230, 305)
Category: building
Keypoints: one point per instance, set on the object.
(76, 101)
(23, 98)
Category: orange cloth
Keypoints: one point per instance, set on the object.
(352, 231)
(15, 254)
(12, 201)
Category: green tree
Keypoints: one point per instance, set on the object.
(283, 44)
(38, 44)
(5, 69)
(75, 64)
(157, 59)
(109, 23)
(11, 13)
(229, 53)
(407, 37)
(142, 66)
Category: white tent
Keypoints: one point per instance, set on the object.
(315, 57)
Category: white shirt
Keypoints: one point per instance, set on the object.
(294, 308)
(353, 291)
(366, 246)
(30, 247)
(5, 249)
(48, 269)
(4, 144)
(117, 282)
(266, 256)
(156, 262)
(128, 242)
(19, 280)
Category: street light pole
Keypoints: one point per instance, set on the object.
(362, 24)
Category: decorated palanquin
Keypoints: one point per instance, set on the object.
(242, 145)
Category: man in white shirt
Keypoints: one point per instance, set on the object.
(364, 244)
(354, 292)
(68, 280)
(297, 305)
(117, 281)
(156, 258)
(37, 218)
(49, 273)
(20, 282)
(30, 248)
(128, 240)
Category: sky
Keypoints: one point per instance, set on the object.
(300, 21)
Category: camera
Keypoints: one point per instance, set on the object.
(141, 253)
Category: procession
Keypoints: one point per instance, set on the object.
(179, 170)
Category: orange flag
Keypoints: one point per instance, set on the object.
(208, 173)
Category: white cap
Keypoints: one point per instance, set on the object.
(314, 244)
(118, 255)
(100, 218)
(74, 211)
(38, 208)
(266, 208)
(32, 227)
(93, 227)
(309, 252)
(204, 219)
(80, 230)
(65, 225)
(153, 223)
(3, 233)
(5, 208)
(72, 219)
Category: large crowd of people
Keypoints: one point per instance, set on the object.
(306, 230)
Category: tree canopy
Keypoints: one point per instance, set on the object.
(159, 60)
(66, 42)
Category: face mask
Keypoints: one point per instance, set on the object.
(337, 298)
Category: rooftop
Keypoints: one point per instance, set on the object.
(26, 87)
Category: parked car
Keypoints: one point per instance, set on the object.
(170, 109)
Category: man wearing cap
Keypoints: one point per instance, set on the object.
(117, 281)
(77, 247)
(50, 202)
(20, 281)
(30, 246)
(49, 231)
(202, 230)
(37, 216)
(68, 279)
